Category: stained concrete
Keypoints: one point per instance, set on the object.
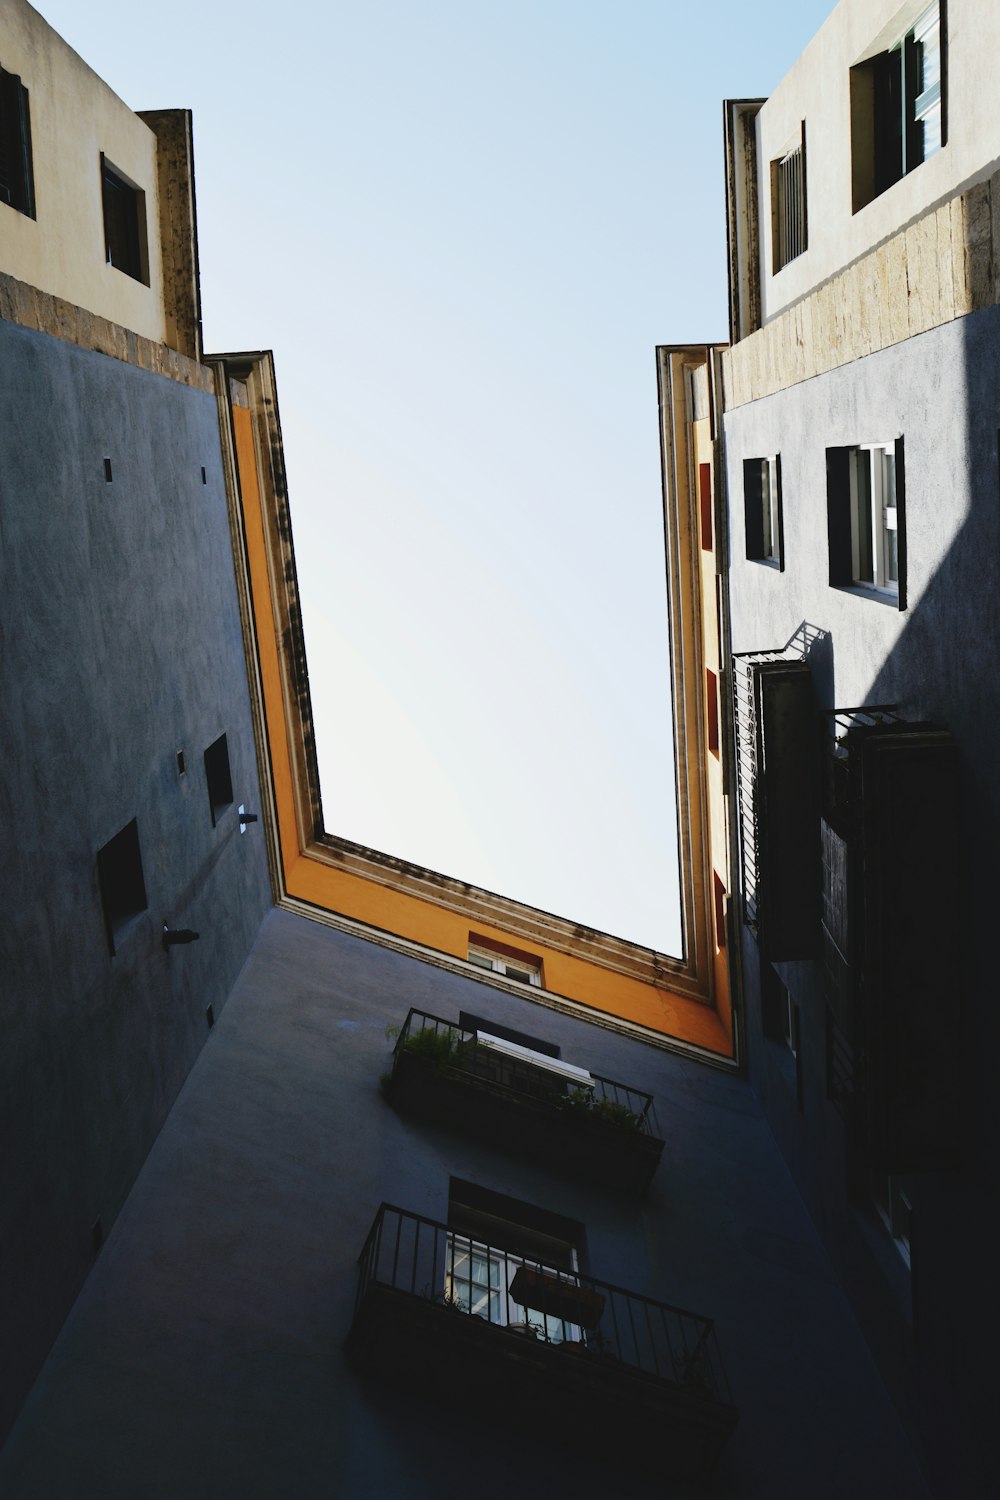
(204, 1356)
(120, 645)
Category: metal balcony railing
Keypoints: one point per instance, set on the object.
(444, 1044)
(556, 1314)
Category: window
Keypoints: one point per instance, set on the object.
(500, 959)
(17, 186)
(705, 505)
(788, 205)
(719, 891)
(865, 518)
(897, 108)
(894, 1209)
(219, 777)
(124, 223)
(712, 710)
(765, 538)
(123, 889)
(492, 1241)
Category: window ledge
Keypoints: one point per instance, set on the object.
(877, 596)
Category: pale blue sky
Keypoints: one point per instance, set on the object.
(463, 228)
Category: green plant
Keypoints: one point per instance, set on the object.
(439, 1048)
(586, 1102)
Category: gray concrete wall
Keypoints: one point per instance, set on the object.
(204, 1357)
(934, 1330)
(120, 644)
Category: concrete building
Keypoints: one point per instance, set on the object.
(855, 422)
(540, 1236)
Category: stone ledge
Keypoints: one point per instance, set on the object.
(30, 307)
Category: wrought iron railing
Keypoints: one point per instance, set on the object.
(749, 753)
(444, 1044)
(466, 1278)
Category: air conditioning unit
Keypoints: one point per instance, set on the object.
(579, 1077)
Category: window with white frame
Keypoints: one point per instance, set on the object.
(897, 107)
(865, 517)
(492, 1237)
(523, 969)
(874, 521)
(762, 510)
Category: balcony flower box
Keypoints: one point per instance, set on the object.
(558, 1296)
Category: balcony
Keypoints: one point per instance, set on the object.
(893, 931)
(598, 1130)
(778, 784)
(567, 1358)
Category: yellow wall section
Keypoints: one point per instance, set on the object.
(309, 878)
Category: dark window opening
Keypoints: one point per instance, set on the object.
(720, 911)
(124, 224)
(866, 519)
(107, 471)
(705, 499)
(17, 185)
(219, 777)
(509, 1224)
(123, 889)
(181, 764)
(204, 475)
(788, 205)
(898, 116)
(765, 537)
(469, 1022)
(712, 695)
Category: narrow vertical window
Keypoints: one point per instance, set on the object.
(788, 205)
(712, 709)
(705, 504)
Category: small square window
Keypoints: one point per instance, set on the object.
(897, 108)
(124, 223)
(865, 513)
(17, 186)
(219, 777)
(123, 889)
(788, 205)
(765, 537)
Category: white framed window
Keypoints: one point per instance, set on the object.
(897, 108)
(874, 518)
(521, 969)
(478, 1279)
(894, 1208)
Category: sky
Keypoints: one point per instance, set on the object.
(463, 226)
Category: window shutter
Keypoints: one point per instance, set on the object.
(901, 521)
(753, 502)
(838, 512)
(779, 519)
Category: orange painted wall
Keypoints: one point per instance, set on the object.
(310, 879)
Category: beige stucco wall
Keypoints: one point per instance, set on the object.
(817, 90)
(74, 117)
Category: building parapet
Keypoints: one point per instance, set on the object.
(30, 307)
(943, 266)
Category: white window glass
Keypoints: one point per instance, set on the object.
(477, 1281)
(874, 534)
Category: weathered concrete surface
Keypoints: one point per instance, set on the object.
(204, 1357)
(936, 1332)
(120, 645)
